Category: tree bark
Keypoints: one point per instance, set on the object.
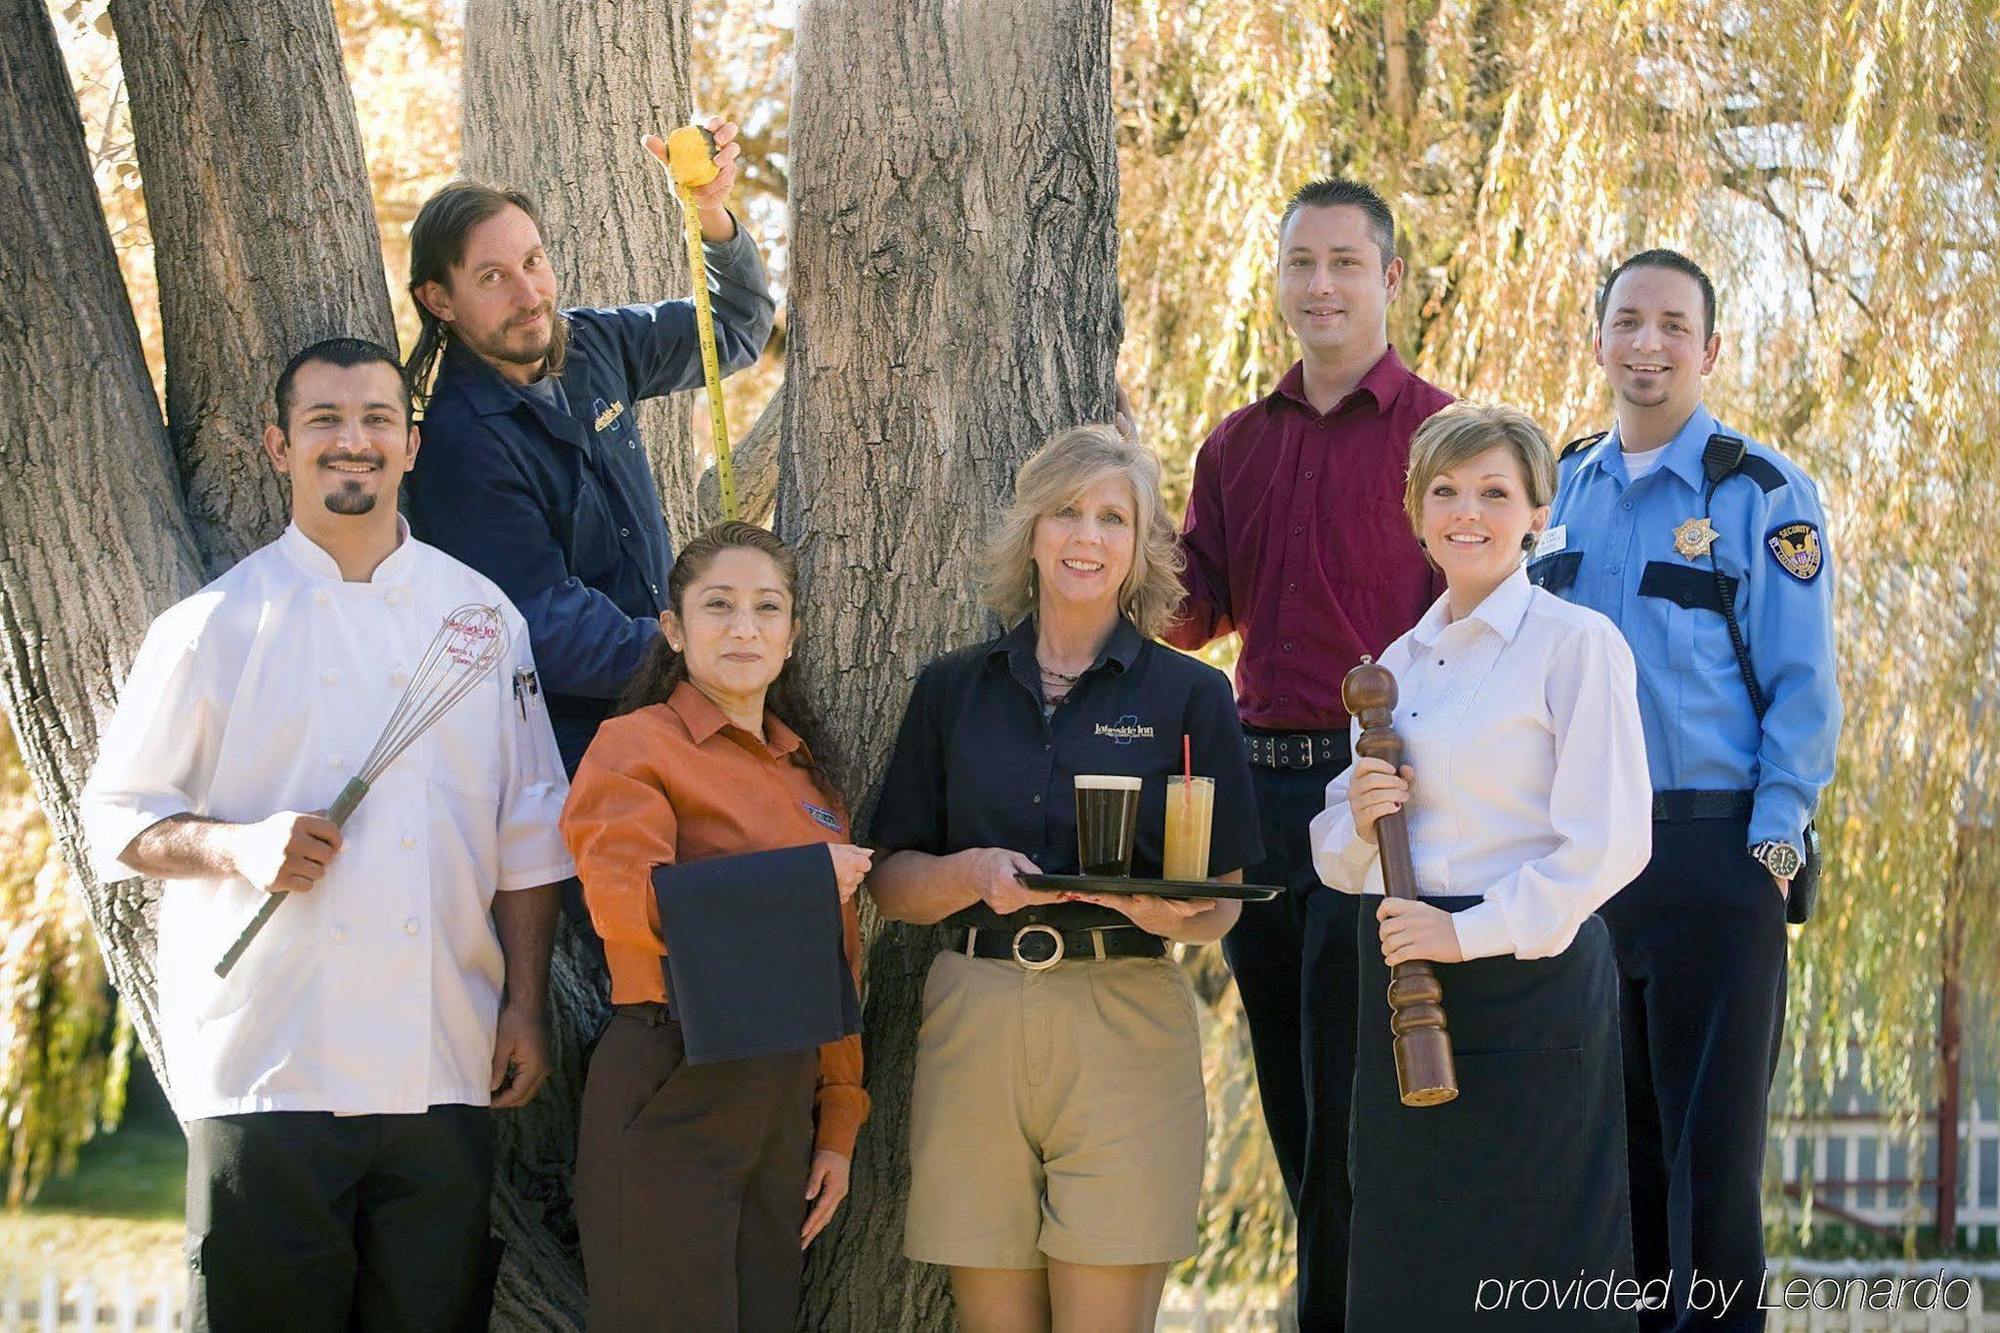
(953, 302)
(94, 541)
(556, 98)
(263, 234)
(755, 459)
(1397, 89)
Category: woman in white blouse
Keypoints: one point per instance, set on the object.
(1529, 805)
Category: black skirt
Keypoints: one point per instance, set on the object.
(1506, 1208)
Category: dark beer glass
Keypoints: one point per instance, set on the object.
(1107, 819)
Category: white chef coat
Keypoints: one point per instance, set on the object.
(1521, 724)
(376, 991)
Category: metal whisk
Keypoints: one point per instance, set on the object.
(467, 646)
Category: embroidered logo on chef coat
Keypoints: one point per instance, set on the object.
(822, 816)
(1125, 730)
(606, 415)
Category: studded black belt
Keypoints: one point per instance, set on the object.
(1299, 749)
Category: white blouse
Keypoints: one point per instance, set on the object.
(1521, 724)
(376, 992)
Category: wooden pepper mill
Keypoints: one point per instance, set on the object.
(1425, 1075)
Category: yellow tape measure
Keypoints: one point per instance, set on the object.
(690, 159)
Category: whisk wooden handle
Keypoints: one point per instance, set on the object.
(343, 806)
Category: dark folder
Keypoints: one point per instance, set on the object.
(755, 964)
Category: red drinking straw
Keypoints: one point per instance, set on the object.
(1187, 776)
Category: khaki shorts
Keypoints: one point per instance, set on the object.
(1055, 1115)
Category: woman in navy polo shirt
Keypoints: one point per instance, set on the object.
(1057, 1118)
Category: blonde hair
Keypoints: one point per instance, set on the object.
(1462, 432)
(1069, 464)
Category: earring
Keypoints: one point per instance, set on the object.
(1422, 545)
(1528, 541)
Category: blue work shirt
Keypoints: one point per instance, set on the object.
(1611, 546)
(555, 501)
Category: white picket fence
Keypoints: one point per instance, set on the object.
(54, 1304)
(1860, 1166)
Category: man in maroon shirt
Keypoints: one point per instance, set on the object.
(1296, 538)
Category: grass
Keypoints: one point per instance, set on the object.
(118, 1216)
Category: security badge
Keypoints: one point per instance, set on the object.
(1797, 548)
(1693, 538)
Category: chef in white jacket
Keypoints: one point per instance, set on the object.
(335, 1086)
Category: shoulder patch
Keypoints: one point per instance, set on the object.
(1797, 549)
(1762, 471)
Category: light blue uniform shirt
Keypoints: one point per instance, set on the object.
(1610, 545)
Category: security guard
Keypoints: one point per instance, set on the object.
(533, 470)
(1709, 552)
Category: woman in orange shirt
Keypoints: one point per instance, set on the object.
(693, 1179)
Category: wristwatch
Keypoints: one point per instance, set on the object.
(1780, 858)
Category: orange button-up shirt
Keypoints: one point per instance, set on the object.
(678, 782)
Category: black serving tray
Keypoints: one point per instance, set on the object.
(1163, 888)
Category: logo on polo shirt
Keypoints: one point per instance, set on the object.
(607, 415)
(1125, 730)
(822, 816)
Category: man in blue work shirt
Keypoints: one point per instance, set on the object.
(1672, 550)
(533, 471)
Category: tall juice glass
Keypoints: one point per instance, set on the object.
(1190, 812)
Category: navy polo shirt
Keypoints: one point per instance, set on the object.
(977, 765)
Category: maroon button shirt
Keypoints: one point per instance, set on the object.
(1296, 537)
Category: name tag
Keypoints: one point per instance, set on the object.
(1552, 540)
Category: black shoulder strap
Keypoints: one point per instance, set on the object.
(1721, 458)
(1580, 442)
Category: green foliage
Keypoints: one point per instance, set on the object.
(64, 1045)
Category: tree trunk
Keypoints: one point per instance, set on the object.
(556, 98)
(94, 541)
(1397, 90)
(953, 302)
(263, 234)
(755, 459)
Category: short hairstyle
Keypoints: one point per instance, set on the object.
(1339, 192)
(341, 352)
(1673, 261)
(1462, 432)
(437, 245)
(1070, 463)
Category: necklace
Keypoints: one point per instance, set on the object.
(1050, 673)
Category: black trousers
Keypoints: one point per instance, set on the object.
(1700, 943)
(1293, 959)
(304, 1220)
(691, 1182)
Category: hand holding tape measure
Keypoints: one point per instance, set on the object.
(702, 162)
